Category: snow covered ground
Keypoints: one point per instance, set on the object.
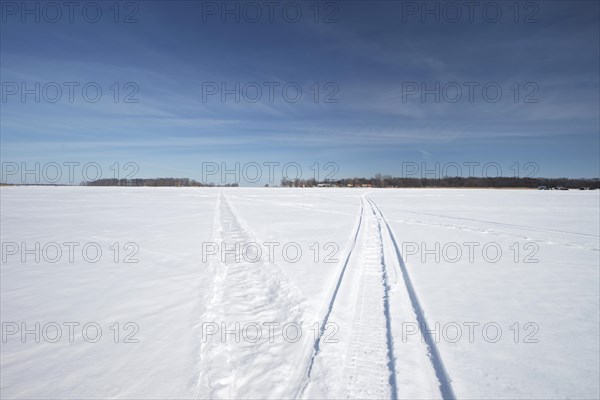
(299, 293)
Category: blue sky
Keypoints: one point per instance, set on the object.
(372, 58)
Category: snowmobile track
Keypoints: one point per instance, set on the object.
(445, 386)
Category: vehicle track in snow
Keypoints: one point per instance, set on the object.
(445, 386)
(245, 293)
(302, 379)
(371, 372)
(370, 365)
(503, 224)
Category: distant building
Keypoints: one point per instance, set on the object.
(329, 183)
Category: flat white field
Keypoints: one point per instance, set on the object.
(299, 293)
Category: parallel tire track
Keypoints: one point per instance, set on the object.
(370, 369)
(371, 373)
(445, 386)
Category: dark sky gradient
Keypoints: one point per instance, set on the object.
(372, 54)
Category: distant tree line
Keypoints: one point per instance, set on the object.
(379, 181)
(175, 182)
